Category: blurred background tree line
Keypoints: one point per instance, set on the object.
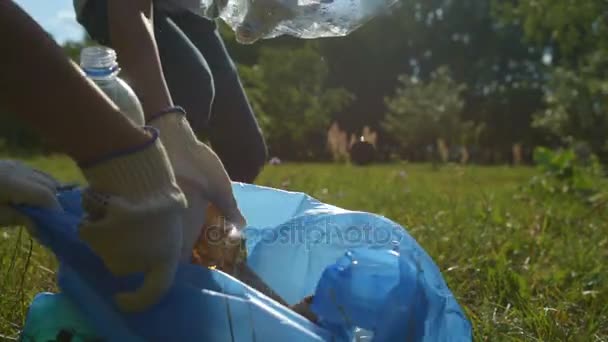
(477, 76)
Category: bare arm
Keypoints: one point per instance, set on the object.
(132, 36)
(40, 85)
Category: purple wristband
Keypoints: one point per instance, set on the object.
(125, 152)
(173, 109)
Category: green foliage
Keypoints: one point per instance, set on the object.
(577, 28)
(420, 112)
(565, 171)
(287, 88)
(576, 104)
(503, 75)
(577, 91)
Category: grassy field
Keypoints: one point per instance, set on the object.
(524, 267)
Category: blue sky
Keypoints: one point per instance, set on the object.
(55, 16)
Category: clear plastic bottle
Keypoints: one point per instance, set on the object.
(99, 64)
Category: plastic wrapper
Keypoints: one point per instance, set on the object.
(253, 20)
(295, 244)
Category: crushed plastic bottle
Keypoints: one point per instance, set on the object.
(253, 20)
(100, 65)
(351, 292)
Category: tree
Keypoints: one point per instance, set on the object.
(420, 113)
(577, 106)
(503, 75)
(577, 93)
(287, 88)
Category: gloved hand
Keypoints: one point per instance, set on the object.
(20, 184)
(199, 172)
(134, 211)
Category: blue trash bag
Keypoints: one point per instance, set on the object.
(296, 244)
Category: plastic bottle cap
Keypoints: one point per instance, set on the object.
(98, 61)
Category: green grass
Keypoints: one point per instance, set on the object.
(523, 267)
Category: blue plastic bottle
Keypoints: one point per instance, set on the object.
(351, 293)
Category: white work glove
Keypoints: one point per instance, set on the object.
(22, 185)
(199, 172)
(134, 211)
